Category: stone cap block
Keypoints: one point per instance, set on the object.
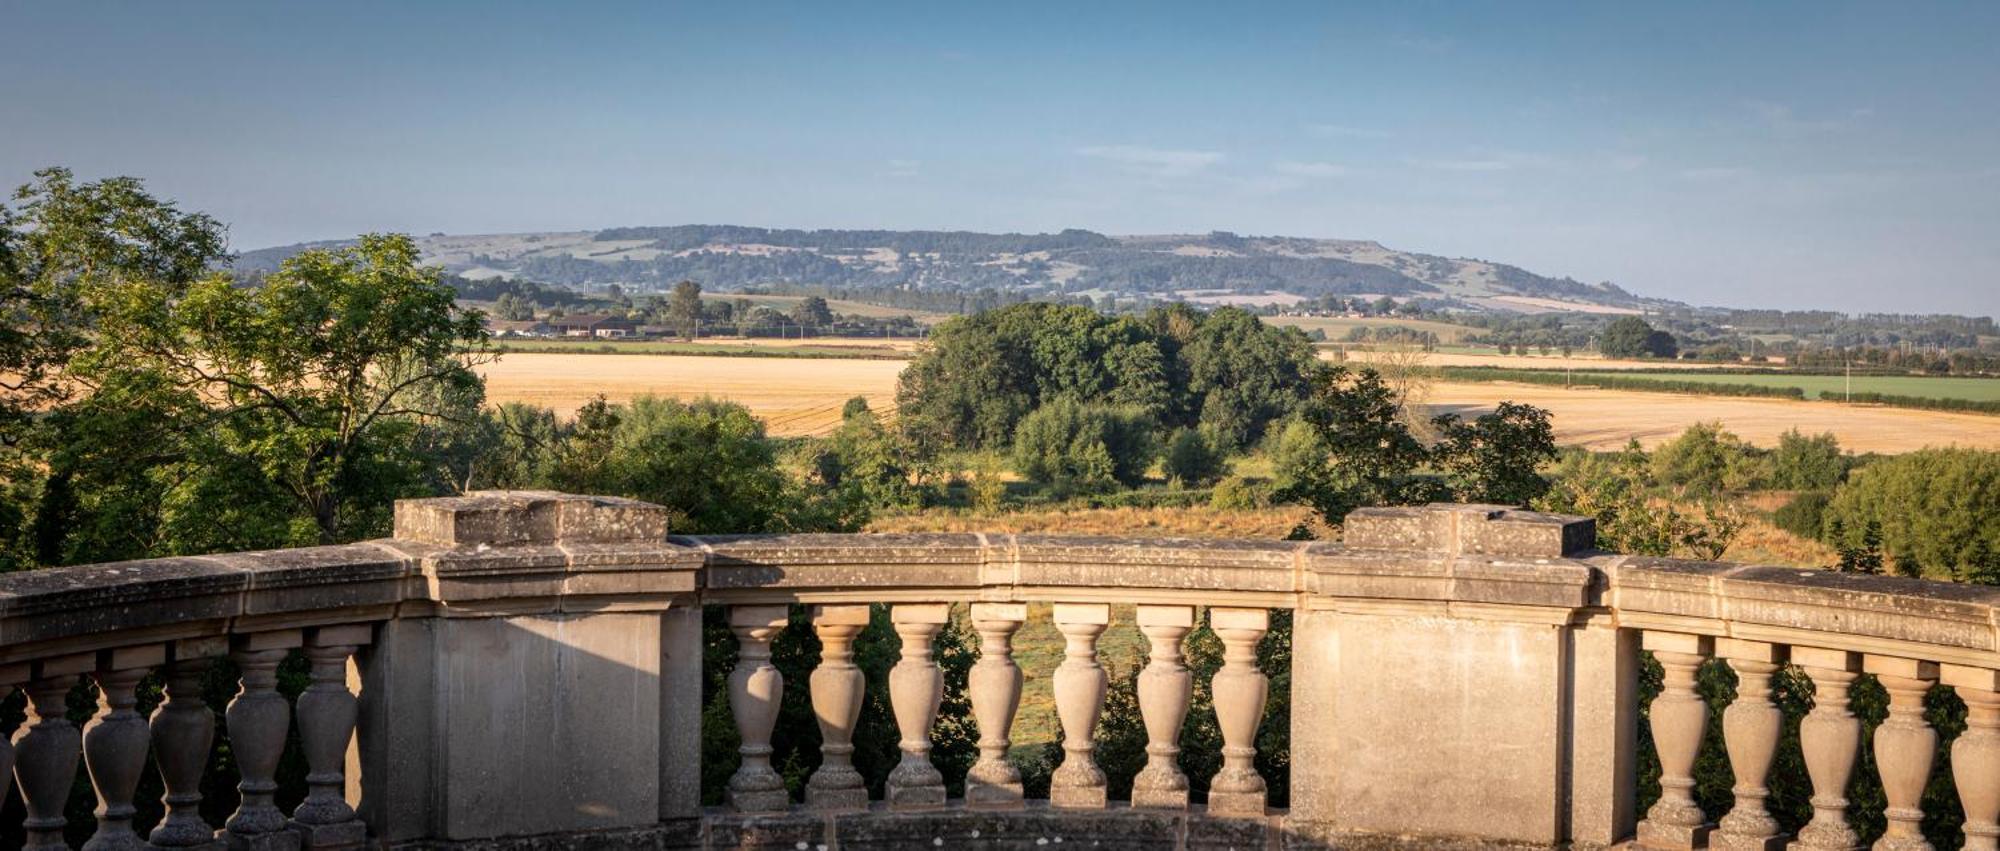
(1476, 529)
(1166, 616)
(920, 613)
(1898, 666)
(504, 518)
(1967, 676)
(1741, 650)
(1221, 618)
(840, 614)
(1086, 613)
(1008, 612)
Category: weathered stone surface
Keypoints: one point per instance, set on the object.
(1474, 529)
(1478, 655)
(501, 518)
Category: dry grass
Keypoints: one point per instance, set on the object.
(1759, 542)
(1554, 361)
(1606, 419)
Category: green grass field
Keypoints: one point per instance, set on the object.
(1832, 386)
(1336, 327)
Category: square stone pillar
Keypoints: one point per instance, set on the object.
(1454, 677)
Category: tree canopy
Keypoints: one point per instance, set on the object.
(982, 374)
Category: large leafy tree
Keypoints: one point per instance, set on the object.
(684, 309)
(318, 383)
(161, 406)
(1224, 370)
(1358, 451)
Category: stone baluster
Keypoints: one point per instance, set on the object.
(1905, 744)
(114, 744)
(258, 720)
(10, 675)
(994, 686)
(327, 711)
(1238, 691)
(1830, 735)
(46, 747)
(1080, 684)
(755, 690)
(183, 734)
(916, 687)
(837, 689)
(1165, 686)
(1679, 718)
(1750, 730)
(1975, 754)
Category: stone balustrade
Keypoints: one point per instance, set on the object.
(524, 670)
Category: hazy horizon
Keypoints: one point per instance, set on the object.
(1837, 156)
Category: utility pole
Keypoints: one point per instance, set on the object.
(1850, 380)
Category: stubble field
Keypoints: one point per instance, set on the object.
(798, 396)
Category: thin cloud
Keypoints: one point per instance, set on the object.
(1311, 169)
(1342, 131)
(1783, 118)
(1464, 165)
(1714, 172)
(1159, 162)
(902, 168)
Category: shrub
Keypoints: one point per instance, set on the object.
(1805, 515)
(1238, 494)
(1706, 459)
(1193, 460)
(1807, 463)
(1934, 508)
(1079, 448)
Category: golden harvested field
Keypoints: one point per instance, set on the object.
(795, 396)
(803, 397)
(1528, 361)
(1605, 419)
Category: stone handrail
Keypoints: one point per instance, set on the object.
(1458, 671)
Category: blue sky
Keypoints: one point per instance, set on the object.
(1770, 154)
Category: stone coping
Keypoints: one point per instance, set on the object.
(538, 552)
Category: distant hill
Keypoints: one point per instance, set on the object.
(1214, 268)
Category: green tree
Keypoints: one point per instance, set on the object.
(219, 416)
(1699, 459)
(1077, 448)
(684, 309)
(1496, 458)
(869, 466)
(707, 461)
(1246, 374)
(1807, 463)
(1366, 453)
(1193, 460)
(66, 250)
(812, 312)
(1632, 337)
(1935, 508)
